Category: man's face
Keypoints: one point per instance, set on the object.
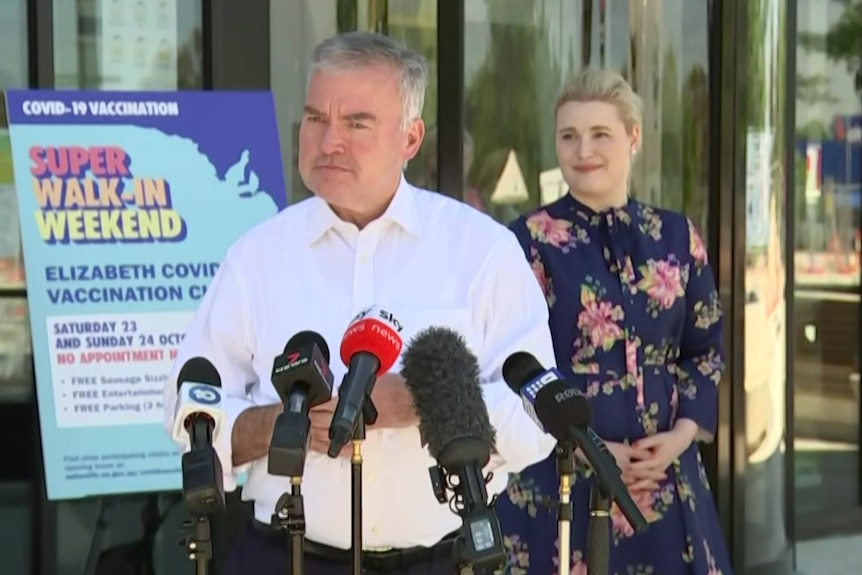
(352, 147)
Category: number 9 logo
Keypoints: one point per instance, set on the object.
(204, 394)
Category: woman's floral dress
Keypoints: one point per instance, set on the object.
(637, 323)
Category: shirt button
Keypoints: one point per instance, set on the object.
(371, 477)
(375, 529)
(363, 259)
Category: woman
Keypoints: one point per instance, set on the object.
(637, 326)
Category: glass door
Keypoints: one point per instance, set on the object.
(17, 398)
(826, 299)
(297, 27)
(517, 57)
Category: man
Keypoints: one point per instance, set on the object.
(367, 237)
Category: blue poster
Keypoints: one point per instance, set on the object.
(128, 202)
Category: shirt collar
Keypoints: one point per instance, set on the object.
(402, 211)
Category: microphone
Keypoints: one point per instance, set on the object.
(369, 348)
(442, 375)
(561, 410)
(197, 422)
(302, 379)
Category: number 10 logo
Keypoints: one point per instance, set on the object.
(204, 394)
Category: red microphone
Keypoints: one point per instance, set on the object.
(373, 331)
(369, 348)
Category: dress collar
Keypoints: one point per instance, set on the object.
(624, 213)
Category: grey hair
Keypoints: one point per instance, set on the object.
(358, 49)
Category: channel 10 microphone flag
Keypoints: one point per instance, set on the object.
(128, 202)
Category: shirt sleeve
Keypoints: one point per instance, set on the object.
(701, 357)
(515, 318)
(221, 331)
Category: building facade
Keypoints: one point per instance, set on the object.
(753, 128)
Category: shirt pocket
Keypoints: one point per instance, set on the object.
(415, 320)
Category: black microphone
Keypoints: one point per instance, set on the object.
(199, 413)
(303, 380)
(561, 410)
(443, 378)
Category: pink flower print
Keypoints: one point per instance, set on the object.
(633, 369)
(578, 566)
(518, 556)
(631, 357)
(695, 245)
(710, 560)
(629, 270)
(538, 269)
(546, 229)
(662, 282)
(598, 320)
(539, 272)
(644, 501)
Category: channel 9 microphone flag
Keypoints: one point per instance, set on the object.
(127, 202)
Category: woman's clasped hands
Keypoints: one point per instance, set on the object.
(644, 463)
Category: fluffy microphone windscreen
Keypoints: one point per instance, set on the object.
(199, 370)
(442, 374)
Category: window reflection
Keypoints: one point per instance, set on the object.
(13, 74)
(765, 307)
(519, 54)
(826, 295)
(128, 44)
(297, 27)
(16, 377)
(16, 361)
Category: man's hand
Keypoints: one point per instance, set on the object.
(394, 408)
(393, 402)
(321, 419)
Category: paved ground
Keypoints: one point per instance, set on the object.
(833, 556)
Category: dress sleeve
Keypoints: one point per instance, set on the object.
(701, 358)
(531, 251)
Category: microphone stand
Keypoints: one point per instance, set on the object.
(203, 494)
(606, 487)
(566, 470)
(368, 417)
(289, 516)
(199, 545)
(287, 459)
(598, 532)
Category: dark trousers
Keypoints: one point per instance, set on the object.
(258, 553)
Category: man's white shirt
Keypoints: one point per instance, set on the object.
(432, 261)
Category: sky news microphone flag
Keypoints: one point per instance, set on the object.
(128, 202)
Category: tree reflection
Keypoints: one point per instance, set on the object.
(503, 106)
(189, 62)
(842, 42)
(695, 161)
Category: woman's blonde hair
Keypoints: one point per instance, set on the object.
(598, 85)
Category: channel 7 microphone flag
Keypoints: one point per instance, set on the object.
(128, 202)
